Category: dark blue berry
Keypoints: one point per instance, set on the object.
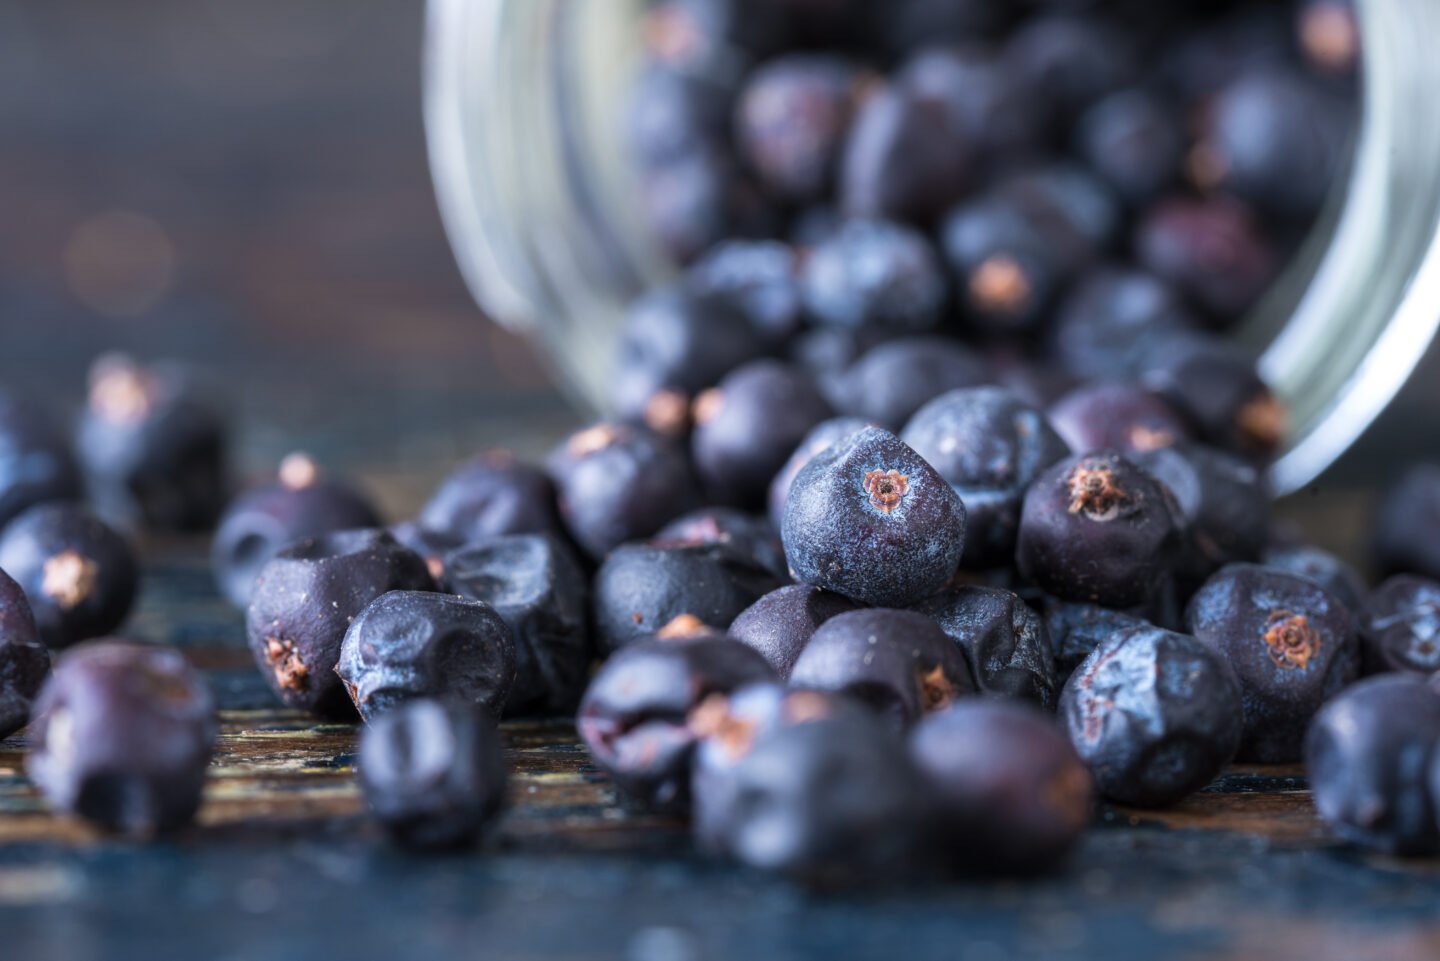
(491, 495)
(24, 659)
(781, 623)
(894, 380)
(1400, 626)
(875, 273)
(1004, 642)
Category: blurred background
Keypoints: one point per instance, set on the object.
(244, 186)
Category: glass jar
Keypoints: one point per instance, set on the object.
(522, 109)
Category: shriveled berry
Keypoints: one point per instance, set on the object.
(1292, 644)
(900, 663)
(875, 273)
(1004, 642)
(894, 380)
(432, 545)
(618, 483)
(868, 518)
(24, 659)
(747, 425)
(1097, 528)
(153, 445)
(821, 436)
(1076, 629)
(433, 773)
(1007, 791)
(123, 735)
(491, 495)
(1154, 714)
(1117, 416)
(80, 576)
(749, 535)
(640, 588)
(1368, 757)
(1400, 626)
(409, 645)
(781, 623)
(635, 716)
(36, 465)
(1332, 573)
(304, 601)
(303, 503)
(540, 591)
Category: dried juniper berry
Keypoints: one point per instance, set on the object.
(988, 445)
(1005, 267)
(700, 199)
(433, 773)
(990, 105)
(870, 519)
(1292, 644)
(1368, 757)
(781, 623)
(491, 495)
(408, 645)
(1101, 326)
(123, 735)
(671, 113)
(1217, 389)
(304, 601)
(1097, 528)
(640, 588)
(760, 278)
(909, 156)
(1407, 527)
(1155, 715)
(820, 437)
(635, 716)
(679, 339)
(894, 380)
(900, 663)
(618, 483)
(1071, 205)
(1135, 140)
(1213, 250)
(1004, 642)
(747, 425)
(1224, 502)
(1400, 626)
(540, 591)
(432, 545)
(80, 576)
(153, 445)
(792, 120)
(36, 465)
(1007, 792)
(874, 273)
(1118, 416)
(1332, 573)
(749, 535)
(1071, 61)
(1076, 629)
(304, 502)
(1329, 32)
(24, 659)
(830, 802)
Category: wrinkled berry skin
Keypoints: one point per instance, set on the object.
(874, 273)
(490, 496)
(868, 518)
(831, 802)
(432, 545)
(24, 659)
(892, 381)
(820, 437)
(540, 591)
(781, 623)
(1096, 528)
(433, 773)
(154, 447)
(1116, 416)
(36, 465)
(618, 483)
(1407, 529)
(1332, 573)
(988, 445)
(1292, 644)
(1368, 757)
(748, 425)
(409, 645)
(1003, 640)
(791, 123)
(261, 521)
(640, 588)
(900, 663)
(1400, 626)
(1076, 629)
(1154, 714)
(760, 279)
(634, 718)
(80, 576)
(1007, 791)
(304, 601)
(123, 735)
(746, 534)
